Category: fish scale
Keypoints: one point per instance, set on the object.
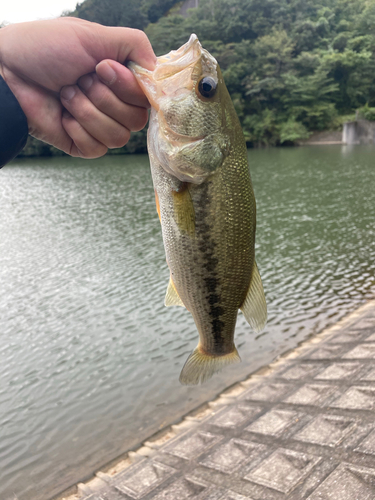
(205, 202)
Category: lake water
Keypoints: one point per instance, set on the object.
(90, 357)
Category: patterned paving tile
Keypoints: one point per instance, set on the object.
(326, 430)
(235, 416)
(356, 398)
(363, 324)
(223, 494)
(344, 338)
(231, 455)
(267, 392)
(274, 422)
(301, 371)
(192, 445)
(283, 470)
(310, 394)
(368, 444)
(182, 489)
(361, 351)
(347, 482)
(142, 478)
(326, 352)
(339, 371)
(369, 376)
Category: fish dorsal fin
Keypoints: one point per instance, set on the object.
(254, 306)
(172, 298)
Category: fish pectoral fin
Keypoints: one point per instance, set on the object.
(199, 366)
(172, 298)
(254, 306)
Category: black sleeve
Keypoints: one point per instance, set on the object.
(13, 125)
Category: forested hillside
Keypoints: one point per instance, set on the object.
(291, 66)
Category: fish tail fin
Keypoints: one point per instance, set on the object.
(199, 366)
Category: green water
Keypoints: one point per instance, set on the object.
(90, 357)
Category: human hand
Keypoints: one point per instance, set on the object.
(68, 77)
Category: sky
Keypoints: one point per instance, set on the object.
(18, 11)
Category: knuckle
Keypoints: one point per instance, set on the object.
(92, 151)
(140, 120)
(119, 139)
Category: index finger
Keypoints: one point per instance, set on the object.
(122, 82)
(128, 44)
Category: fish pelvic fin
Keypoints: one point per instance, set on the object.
(254, 307)
(172, 298)
(199, 366)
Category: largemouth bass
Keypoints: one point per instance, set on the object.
(205, 202)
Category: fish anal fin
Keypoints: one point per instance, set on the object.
(199, 366)
(172, 298)
(254, 307)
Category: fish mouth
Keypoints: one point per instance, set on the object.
(178, 60)
(154, 83)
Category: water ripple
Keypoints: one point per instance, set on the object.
(90, 357)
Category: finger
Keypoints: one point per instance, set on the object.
(122, 82)
(100, 126)
(82, 143)
(137, 47)
(132, 117)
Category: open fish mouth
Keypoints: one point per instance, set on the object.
(178, 60)
(169, 73)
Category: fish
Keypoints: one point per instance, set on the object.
(205, 202)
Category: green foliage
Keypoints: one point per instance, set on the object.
(112, 12)
(291, 66)
(292, 131)
(367, 113)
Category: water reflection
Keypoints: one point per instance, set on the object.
(90, 357)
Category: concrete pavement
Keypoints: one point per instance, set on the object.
(301, 428)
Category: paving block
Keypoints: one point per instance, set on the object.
(368, 444)
(230, 456)
(347, 482)
(346, 338)
(326, 352)
(301, 371)
(267, 392)
(142, 478)
(192, 445)
(184, 488)
(223, 494)
(370, 375)
(340, 371)
(361, 351)
(283, 470)
(310, 394)
(326, 430)
(274, 423)
(235, 416)
(356, 398)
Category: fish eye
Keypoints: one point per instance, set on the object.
(207, 86)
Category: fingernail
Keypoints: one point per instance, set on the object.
(85, 82)
(107, 73)
(68, 93)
